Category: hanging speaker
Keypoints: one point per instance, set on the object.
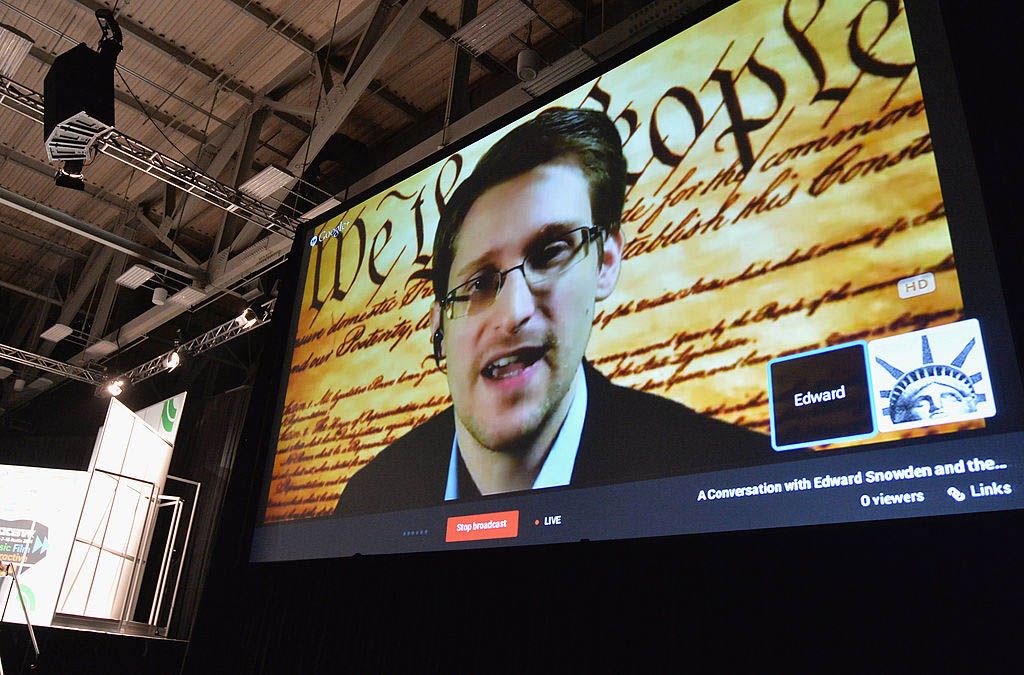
(78, 104)
(528, 63)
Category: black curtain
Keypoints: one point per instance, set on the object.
(207, 455)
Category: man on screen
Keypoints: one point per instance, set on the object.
(525, 247)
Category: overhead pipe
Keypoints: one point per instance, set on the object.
(99, 235)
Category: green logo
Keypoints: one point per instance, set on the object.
(168, 414)
(30, 597)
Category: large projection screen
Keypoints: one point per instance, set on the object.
(791, 322)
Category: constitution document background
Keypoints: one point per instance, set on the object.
(782, 182)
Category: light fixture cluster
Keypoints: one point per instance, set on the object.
(109, 384)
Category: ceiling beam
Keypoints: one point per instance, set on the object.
(577, 7)
(105, 306)
(261, 254)
(89, 231)
(342, 100)
(378, 89)
(230, 224)
(26, 268)
(277, 24)
(85, 282)
(28, 293)
(188, 206)
(367, 40)
(458, 83)
(349, 28)
(50, 245)
(159, 233)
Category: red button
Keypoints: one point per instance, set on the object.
(500, 525)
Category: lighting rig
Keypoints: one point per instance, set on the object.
(106, 385)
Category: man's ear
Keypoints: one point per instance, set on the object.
(611, 259)
(435, 318)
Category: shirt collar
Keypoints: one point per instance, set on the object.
(557, 468)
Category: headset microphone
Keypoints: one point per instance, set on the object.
(437, 339)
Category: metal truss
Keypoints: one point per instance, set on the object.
(212, 338)
(32, 360)
(137, 155)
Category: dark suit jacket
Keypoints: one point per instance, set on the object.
(628, 435)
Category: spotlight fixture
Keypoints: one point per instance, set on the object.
(159, 295)
(114, 387)
(19, 384)
(70, 176)
(172, 360)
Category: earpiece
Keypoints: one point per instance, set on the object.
(437, 339)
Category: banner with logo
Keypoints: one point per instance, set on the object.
(165, 416)
(39, 510)
(130, 463)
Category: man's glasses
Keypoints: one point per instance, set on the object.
(549, 259)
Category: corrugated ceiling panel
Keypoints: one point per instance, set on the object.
(227, 38)
(425, 81)
(314, 17)
(418, 44)
(448, 10)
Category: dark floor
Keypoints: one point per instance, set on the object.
(67, 652)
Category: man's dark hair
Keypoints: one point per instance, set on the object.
(588, 136)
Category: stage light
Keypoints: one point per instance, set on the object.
(5, 372)
(115, 387)
(172, 360)
(19, 384)
(70, 176)
(159, 295)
